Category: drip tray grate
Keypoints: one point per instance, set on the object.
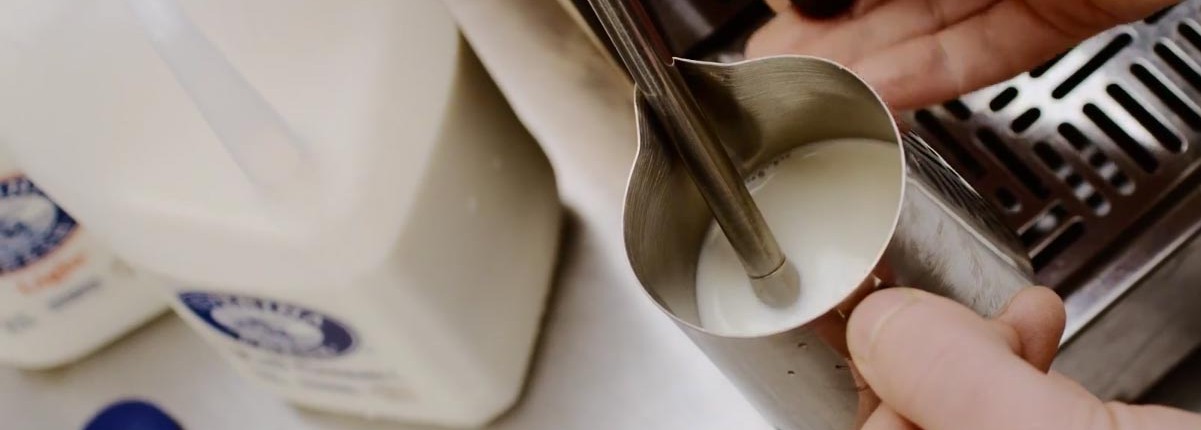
(1078, 153)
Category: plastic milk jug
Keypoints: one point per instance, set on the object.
(344, 203)
(63, 294)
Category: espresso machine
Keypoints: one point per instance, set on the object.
(1089, 160)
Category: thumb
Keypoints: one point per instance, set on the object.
(944, 368)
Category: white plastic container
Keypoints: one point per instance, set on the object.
(350, 210)
(63, 295)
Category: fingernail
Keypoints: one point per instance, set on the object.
(823, 9)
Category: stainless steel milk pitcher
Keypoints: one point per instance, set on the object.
(946, 239)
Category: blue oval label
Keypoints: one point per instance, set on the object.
(272, 325)
(31, 225)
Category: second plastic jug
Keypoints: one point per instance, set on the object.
(63, 294)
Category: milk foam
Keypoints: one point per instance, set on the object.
(831, 206)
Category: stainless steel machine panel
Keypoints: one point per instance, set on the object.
(1092, 158)
(1080, 152)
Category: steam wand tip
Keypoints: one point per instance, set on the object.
(780, 288)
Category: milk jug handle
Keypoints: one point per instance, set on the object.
(258, 139)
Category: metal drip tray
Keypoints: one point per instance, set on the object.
(1080, 151)
(1092, 159)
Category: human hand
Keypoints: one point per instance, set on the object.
(935, 365)
(919, 52)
